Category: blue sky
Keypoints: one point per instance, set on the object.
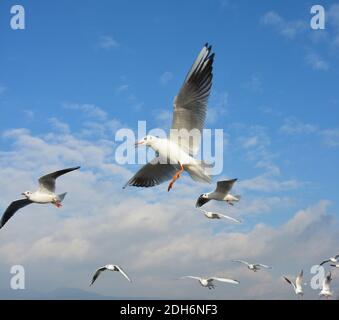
(85, 68)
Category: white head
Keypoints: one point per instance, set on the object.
(146, 141)
(27, 194)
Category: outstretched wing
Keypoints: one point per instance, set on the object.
(299, 279)
(226, 280)
(224, 187)
(229, 218)
(201, 201)
(190, 105)
(97, 273)
(47, 182)
(12, 209)
(289, 281)
(152, 174)
(242, 261)
(325, 261)
(191, 277)
(123, 273)
(263, 266)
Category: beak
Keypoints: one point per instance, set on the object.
(138, 143)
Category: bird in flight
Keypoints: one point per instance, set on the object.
(326, 286)
(221, 193)
(297, 285)
(45, 194)
(208, 282)
(109, 267)
(334, 259)
(175, 154)
(253, 266)
(215, 215)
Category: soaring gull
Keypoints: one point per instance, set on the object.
(109, 267)
(297, 286)
(176, 154)
(334, 259)
(45, 194)
(215, 215)
(326, 286)
(253, 266)
(221, 193)
(208, 282)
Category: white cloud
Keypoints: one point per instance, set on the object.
(90, 110)
(166, 77)
(293, 126)
(317, 62)
(122, 88)
(331, 137)
(107, 42)
(288, 29)
(156, 236)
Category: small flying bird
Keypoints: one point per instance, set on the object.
(326, 288)
(334, 259)
(297, 286)
(208, 282)
(45, 194)
(221, 193)
(215, 215)
(109, 267)
(253, 266)
(176, 154)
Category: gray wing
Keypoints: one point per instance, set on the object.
(241, 261)
(225, 280)
(190, 105)
(47, 182)
(12, 209)
(263, 266)
(123, 273)
(152, 174)
(325, 261)
(97, 273)
(224, 187)
(289, 281)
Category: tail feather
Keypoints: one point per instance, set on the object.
(198, 173)
(62, 196)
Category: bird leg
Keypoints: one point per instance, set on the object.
(176, 177)
(57, 204)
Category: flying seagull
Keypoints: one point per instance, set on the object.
(221, 193)
(45, 194)
(215, 215)
(326, 288)
(176, 154)
(253, 266)
(297, 286)
(208, 282)
(334, 259)
(110, 267)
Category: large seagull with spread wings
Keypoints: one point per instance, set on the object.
(45, 194)
(176, 154)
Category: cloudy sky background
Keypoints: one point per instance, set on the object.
(82, 70)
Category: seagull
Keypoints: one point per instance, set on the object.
(221, 193)
(175, 154)
(208, 282)
(334, 259)
(215, 215)
(297, 286)
(45, 194)
(253, 267)
(110, 267)
(326, 289)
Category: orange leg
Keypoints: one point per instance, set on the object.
(57, 204)
(176, 177)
